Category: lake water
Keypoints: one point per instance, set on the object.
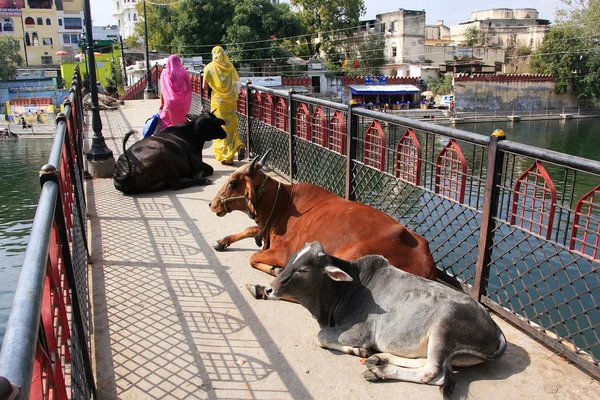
(20, 162)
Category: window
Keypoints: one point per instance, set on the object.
(40, 21)
(73, 23)
(48, 21)
(7, 25)
(135, 17)
(29, 21)
(129, 16)
(394, 51)
(45, 4)
(74, 38)
(27, 39)
(35, 40)
(47, 41)
(46, 60)
(66, 38)
(60, 22)
(393, 26)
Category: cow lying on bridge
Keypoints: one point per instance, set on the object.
(419, 329)
(169, 159)
(287, 216)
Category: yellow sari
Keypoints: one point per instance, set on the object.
(225, 83)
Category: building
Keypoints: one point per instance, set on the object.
(105, 33)
(505, 28)
(437, 35)
(43, 28)
(126, 16)
(404, 32)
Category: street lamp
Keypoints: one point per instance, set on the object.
(149, 92)
(100, 157)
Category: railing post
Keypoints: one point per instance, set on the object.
(292, 109)
(248, 116)
(490, 210)
(351, 137)
(77, 320)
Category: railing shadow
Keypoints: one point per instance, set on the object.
(169, 320)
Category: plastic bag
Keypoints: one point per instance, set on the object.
(153, 125)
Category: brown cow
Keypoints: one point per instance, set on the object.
(289, 216)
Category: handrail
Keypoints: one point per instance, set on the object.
(40, 337)
(20, 339)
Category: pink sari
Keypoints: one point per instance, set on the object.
(176, 92)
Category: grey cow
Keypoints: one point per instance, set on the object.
(415, 329)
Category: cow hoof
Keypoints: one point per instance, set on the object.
(218, 246)
(375, 360)
(371, 376)
(255, 291)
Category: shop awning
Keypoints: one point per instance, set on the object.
(384, 89)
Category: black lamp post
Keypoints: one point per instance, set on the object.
(149, 92)
(100, 156)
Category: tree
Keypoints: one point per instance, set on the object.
(201, 25)
(441, 85)
(10, 58)
(474, 37)
(161, 20)
(571, 51)
(254, 30)
(370, 55)
(326, 16)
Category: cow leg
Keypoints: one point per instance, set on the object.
(436, 371)
(227, 241)
(388, 358)
(200, 166)
(270, 261)
(334, 339)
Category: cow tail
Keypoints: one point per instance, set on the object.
(125, 139)
(449, 383)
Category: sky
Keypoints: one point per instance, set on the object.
(451, 12)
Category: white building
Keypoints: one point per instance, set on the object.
(126, 16)
(110, 32)
(504, 27)
(404, 40)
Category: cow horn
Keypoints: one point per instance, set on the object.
(213, 111)
(321, 254)
(263, 160)
(251, 165)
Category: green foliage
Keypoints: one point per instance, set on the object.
(370, 55)
(441, 85)
(325, 16)
(257, 21)
(573, 58)
(161, 21)
(9, 59)
(523, 50)
(201, 24)
(474, 37)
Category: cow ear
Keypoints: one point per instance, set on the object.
(337, 274)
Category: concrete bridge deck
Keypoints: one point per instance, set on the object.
(172, 319)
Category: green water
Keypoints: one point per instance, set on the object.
(577, 137)
(20, 162)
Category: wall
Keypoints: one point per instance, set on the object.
(508, 93)
(442, 54)
(405, 30)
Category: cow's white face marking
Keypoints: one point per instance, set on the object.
(301, 253)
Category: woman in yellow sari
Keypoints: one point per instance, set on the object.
(225, 84)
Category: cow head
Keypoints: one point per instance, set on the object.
(206, 127)
(306, 274)
(242, 189)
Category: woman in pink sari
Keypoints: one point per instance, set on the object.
(175, 93)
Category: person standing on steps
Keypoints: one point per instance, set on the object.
(223, 80)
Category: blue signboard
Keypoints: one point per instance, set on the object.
(375, 80)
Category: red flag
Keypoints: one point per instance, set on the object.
(355, 65)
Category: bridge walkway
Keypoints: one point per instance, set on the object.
(172, 319)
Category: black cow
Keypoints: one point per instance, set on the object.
(169, 159)
(417, 328)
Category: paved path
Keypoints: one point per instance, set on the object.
(172, 319)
